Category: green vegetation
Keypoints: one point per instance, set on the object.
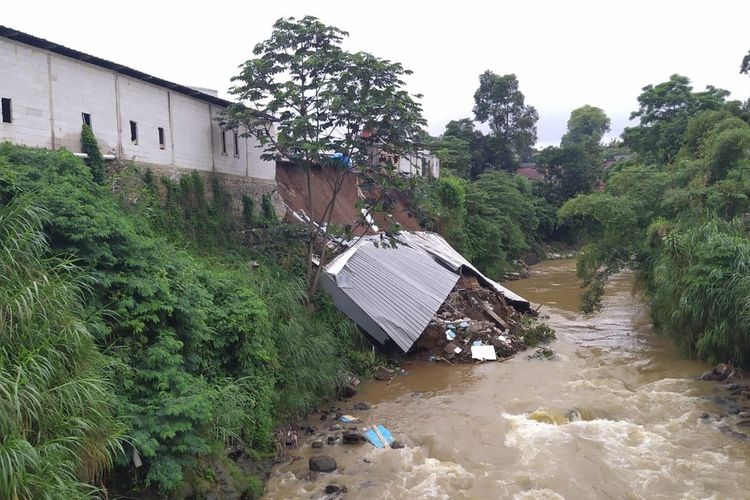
(330, 108)
(95, 160)
(491, 220)
(202, 350)
(677, 214)
(58, 430)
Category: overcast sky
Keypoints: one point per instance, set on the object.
(565, 53)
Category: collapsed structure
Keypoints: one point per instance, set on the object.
(394, 288)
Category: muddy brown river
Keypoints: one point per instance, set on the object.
(616, 415)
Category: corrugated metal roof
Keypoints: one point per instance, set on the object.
(398, 288)
(435, 245)
(395, 292)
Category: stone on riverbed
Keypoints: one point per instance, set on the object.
(322, 463)
(720, 373)
(352, 437)
(332, 489)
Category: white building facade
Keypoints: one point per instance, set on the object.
(48, 91)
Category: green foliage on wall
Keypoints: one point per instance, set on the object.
(95, 160)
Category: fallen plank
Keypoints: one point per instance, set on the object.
(494, 316)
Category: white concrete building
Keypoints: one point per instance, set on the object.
(420, 162)
(48, 91)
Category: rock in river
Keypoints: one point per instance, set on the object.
(322, 463)
(352, 437)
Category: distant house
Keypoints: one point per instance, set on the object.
(48, 91)
(419, 162)
(530, 171)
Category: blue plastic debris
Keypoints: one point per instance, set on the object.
(343, 159)
(452, 326)
(450, 335)
(477, 343)
(464, 325)
(379, 436)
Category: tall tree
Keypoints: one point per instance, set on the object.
(586, 127)
(499, 103)
(745, 66)
(664, 112)
(305, 99)
(576, 166)
(463, 130)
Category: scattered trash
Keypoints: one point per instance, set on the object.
(473, 314)
(483, 352)
(347, 419)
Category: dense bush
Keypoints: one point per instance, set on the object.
(58, 430)
(204, 348)
(491, 220)
(683, 227)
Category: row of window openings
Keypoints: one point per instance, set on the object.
(133, 130)
(134, 136)
(6, 110)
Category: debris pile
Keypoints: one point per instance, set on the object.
(475, 323)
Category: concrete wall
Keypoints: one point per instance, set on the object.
(24, 79)
(421, 163)
(148, 106)
(81, 88)
(49, 93)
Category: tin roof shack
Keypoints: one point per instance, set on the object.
(395, 290)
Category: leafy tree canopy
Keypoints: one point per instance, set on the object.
(664, 112)
(499, 103)
(306, 99)
(586, 126)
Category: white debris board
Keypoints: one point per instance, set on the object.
(483, 352)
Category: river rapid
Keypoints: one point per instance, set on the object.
(617, 414)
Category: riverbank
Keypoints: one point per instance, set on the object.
(482, 431)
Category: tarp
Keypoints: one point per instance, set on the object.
(394, 292)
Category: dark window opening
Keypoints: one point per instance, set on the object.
(236, 146)
(161, 138)
(133, 132)
(223, 142)
(86, 118)
(7, 110)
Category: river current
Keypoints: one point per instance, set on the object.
(616, 414)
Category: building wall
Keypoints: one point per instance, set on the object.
(421, 163)
(148, 106)
(81, 88)
(50, 92)
(24, 79)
